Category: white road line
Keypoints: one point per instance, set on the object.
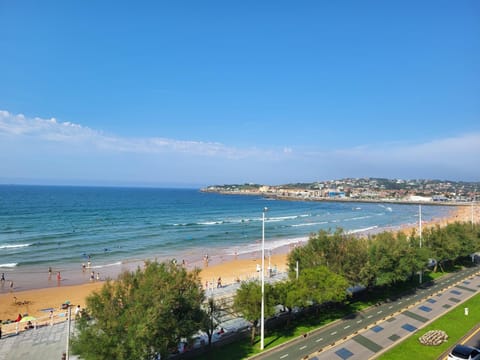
(408, 299)
(369, 316)
(379, 312)
(359, 321)
(333, 333)
(283, 356)
(399, 303)
(390, 307)
(318, 340)
(303, 347)
(346, 327)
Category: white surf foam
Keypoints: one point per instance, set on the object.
(7, 246)
(8, 265)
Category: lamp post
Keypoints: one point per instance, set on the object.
(420, 231)
(473, 202)
(262, 311)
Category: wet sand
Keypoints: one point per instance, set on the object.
(229, 268)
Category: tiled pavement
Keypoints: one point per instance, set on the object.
(374, 340)
(43, 343)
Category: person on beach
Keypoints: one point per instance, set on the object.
(83, 267)
(98, 276)
(51, 317)
(205, 260)
(78, 312)
(3, 278)
(89, 264)
(59, 277)
(29, 325)
(92, 276)
(219, 282)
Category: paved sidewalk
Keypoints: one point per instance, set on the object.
(50, 342)
(43, 343)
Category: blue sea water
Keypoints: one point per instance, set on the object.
(45, 225)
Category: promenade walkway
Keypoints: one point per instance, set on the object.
(369, 333)
(49, 342)
(43, 343)
(362, 336)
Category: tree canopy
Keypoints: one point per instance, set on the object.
(141, 315)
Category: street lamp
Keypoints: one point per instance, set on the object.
(262, 315)
(420, 232)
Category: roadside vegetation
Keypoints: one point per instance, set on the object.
(150, 312)
(455, 323)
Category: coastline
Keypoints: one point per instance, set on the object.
(51, 294)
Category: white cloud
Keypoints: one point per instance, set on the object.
(70, 133)
(32, 146)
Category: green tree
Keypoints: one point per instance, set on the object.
(342, 253)
(248, 300)
(213, 309)
(442, 243)
(316, 286)
(142, 314)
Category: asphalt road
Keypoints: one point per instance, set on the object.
(339, 331)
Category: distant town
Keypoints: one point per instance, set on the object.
(362, 189)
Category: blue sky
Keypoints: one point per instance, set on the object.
(190, 93)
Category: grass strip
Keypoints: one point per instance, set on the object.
(455, 323)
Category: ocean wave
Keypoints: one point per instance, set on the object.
(281, 218)
(210, 223)
(13, 246)
(269, 245)
(357, 218)
(311, 224)
(388, 208)
(117, 263)
(8, 265)
(362, 229)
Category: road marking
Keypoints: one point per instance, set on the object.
(333, 333)
(346, 327)
(320, 339)
(379, 312)
(359, 321)
(283, 356)
(369, 316)
(399, 303)
(407, 299)
(303, 347)
(390, 307)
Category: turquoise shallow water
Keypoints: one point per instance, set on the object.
(43, 226)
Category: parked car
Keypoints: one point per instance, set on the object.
(463, 352)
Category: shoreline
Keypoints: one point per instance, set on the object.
(36, 276)
(337, 199)
(51, 294)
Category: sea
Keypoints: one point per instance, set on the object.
(116, 228)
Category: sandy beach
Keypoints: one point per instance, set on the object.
(37, 302)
